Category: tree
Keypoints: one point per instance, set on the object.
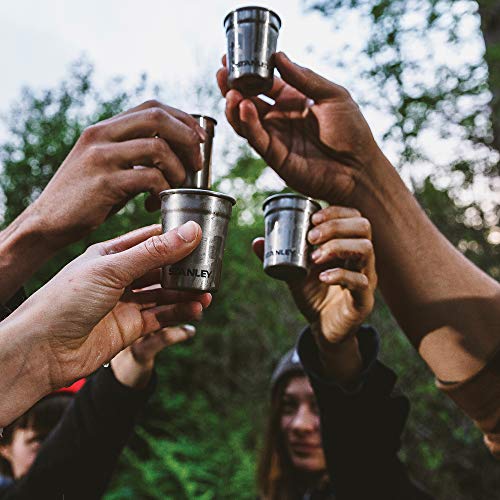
(433, 91)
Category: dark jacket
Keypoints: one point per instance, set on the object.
(78, 457)
(361, 428)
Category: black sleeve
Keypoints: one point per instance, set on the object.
(17, 299)
(361, 428)
(78, 457)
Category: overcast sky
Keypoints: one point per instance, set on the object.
(171, 41)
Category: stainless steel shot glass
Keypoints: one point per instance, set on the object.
(202, 179)
(252, 37)
(287, 219)
(200, 270)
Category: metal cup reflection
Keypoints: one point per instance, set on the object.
(200, 270)
(252, 38)
(287, 219)
(202, 179)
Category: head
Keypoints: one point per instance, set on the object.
(22, 439)
(292, 450)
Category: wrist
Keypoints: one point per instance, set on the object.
(23, 249)
(25, 366)
(341, 360)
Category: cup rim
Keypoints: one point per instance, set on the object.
(197, 115)
(198, 191)
(257, 7)
(290, 195)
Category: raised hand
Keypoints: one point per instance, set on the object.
(314, 135)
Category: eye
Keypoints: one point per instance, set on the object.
(289, 407)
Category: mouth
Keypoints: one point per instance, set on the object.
(301, 448)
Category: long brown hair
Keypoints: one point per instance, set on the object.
(276, 476)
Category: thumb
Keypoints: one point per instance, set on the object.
(307, 81)
(154, 252)
(258, 247)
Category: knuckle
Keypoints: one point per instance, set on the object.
(366, 246)
(91, 133)
(95, 154)
(157, 115)
(157, 246)
(152, 103)
(366, 227)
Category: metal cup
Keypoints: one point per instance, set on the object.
(202, 179)
(252, 37)
(200, 270)
(287, 219)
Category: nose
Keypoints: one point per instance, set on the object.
(305, 420)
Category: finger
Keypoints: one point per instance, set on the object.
(159, 296)
(307, 81)
(155, 342)
(334, 212)
(140, 180)
(126, 241)
(152, 203)
(355, 282)
(155, 122)
(356, 250)
(184, 117)
(157, 251)
(272, 150)
(233, 100)
(159, 317)
(224, 60)
(355, 227)
(150, 152)
(150, 278)
(221, 76)
(258, 247)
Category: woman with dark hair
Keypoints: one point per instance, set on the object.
(335, 420)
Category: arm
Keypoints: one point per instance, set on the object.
(443, 302)
(100, 168)
(90, 311)
(78, 457)
(361, 428)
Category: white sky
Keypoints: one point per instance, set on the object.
(172, 42)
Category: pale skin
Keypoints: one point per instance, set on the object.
(132, 368)
(316, 138)
(91, 310)
(97, 179)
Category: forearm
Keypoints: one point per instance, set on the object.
(23, 249)
(24, 377)
(442, 301)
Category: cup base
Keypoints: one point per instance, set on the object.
(251, 84)
(286, 272)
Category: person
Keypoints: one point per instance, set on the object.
(317, 140)
(97, 179)
(336, 419)
(67, 445)
(97, 305)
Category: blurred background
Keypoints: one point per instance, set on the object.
(426, 74)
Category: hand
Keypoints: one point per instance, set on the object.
(133, 366)
(98, 176)
(98, 304)
(336, 300)
(314, 136)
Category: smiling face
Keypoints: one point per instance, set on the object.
(300, 425)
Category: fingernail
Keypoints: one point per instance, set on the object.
(202, 133)
(317, 218)
(314, 235)
(316, 254)
(188, 231)
(323, 275)
(189, 329)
